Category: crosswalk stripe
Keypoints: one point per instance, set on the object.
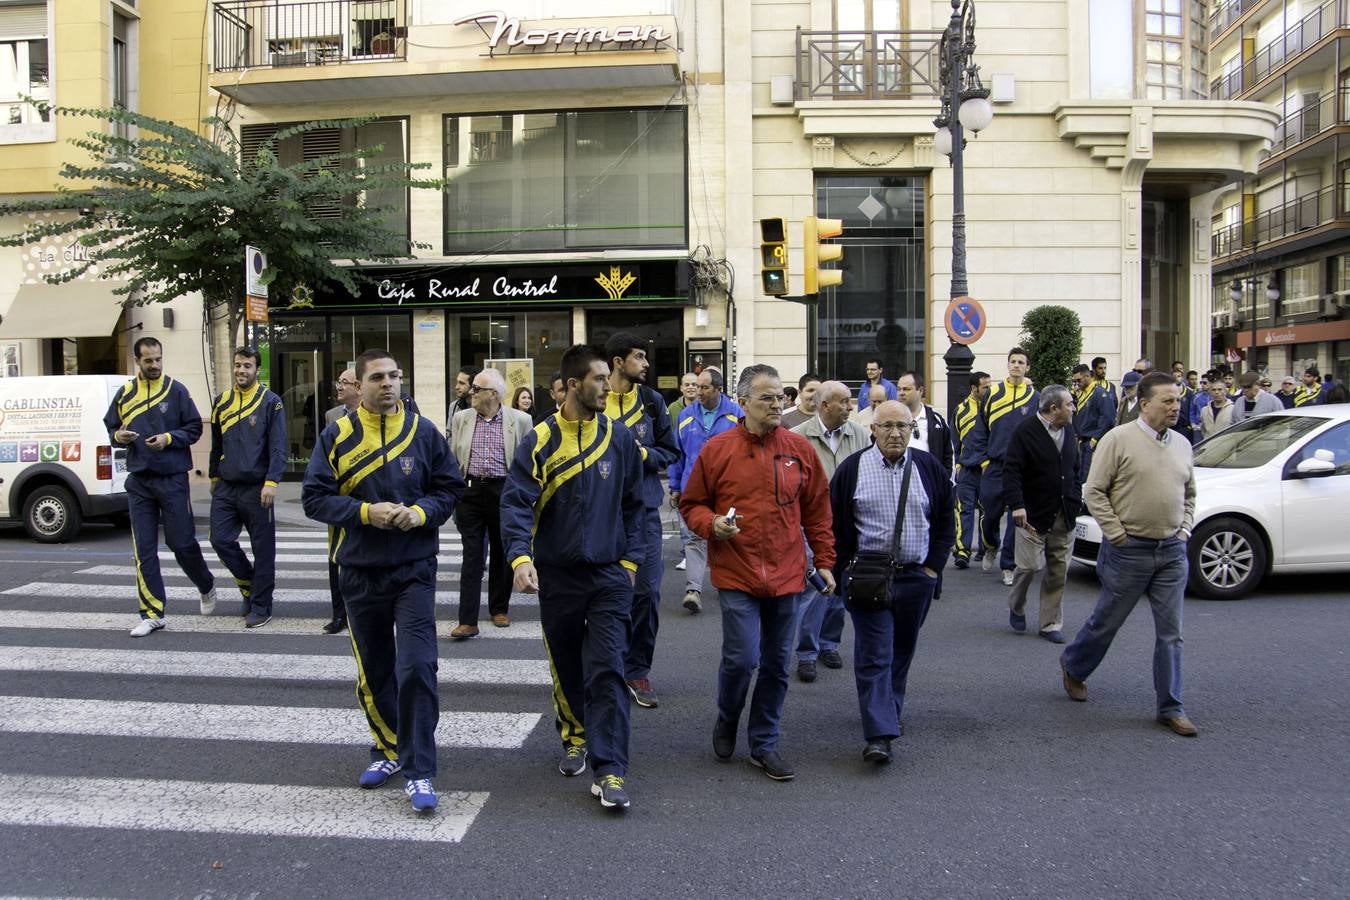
(207, 807)
(219, 624)
(316, 557)
(127, 593)
(220, 572)
(254, 666)
(268, 724)
(321, 534)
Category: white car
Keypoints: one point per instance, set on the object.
(1272, 495)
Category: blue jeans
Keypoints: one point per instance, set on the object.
(757, 632)
(884, 646)
(822, 619)
(1140, 568)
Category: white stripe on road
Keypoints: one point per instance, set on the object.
(220, 573)
(192, 806)
(127, 593)
(321, 534)
(317, 558)
(270, 724)
(221, 624)
(253, 666)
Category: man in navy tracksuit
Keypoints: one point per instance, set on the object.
(386, 480)
(153, 416)
(248, 455)
(968, 472)
(573, 524)
(643, 410)
(1096, 415)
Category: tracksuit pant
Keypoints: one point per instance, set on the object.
(757, 633)
(478, 516)
(884, 644)
(235, 506)
(396, 681)
(153, 499)
(992, 509)
(695, 559)
(584, 611)
(646, 615)
(335, 593)
(967, 501)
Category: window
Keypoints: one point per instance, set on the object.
(1253, 442)
(121, 70)
(1175, 43)
(1302, 291)
(25, 70)
(1336, 441)
(571, 180)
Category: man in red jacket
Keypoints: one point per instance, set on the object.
(773, 481)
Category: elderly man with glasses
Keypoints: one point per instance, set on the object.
(348, 393)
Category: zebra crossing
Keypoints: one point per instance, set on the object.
(72, 674)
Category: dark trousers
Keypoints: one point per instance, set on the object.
(992, 508)
(396, 682)
(646, 613)
(477, 514)
(967, 499)
(153, 499)
(1085, 450)
(584, 611)
(335, 593)
(757, 633)
(236, 506)
(884, 649)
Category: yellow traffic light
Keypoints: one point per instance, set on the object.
(814, 252)
(773, 256)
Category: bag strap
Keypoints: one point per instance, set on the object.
(900, 507)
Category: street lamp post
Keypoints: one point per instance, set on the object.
(965, 105)
(1272, 295)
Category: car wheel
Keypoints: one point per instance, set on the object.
(51, 515)
(1228, 559)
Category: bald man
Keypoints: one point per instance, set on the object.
(876, 395)
(348, 393)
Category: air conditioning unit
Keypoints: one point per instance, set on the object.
(1339, 301)
(306, 57)
(1223, 320)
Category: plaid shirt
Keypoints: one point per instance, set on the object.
(874, 507)
(487, 452)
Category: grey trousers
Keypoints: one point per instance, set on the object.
(695, 559)
(1032, 553)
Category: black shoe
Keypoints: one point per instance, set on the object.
(878, 751)
(573, 761)
(962, 562)
(1018, 623)
(806, 670)
(335, 626)
(773, 766)
(609, 790)
(724, 739)
(642, 693)
(1054, 636)
(831, 659)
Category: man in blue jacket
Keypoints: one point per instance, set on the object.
(153, 416)
(1095, 417)
(248, 455)
(573, 522)
(385, 479)
(968, 472)
(643, 410)
(713, 414)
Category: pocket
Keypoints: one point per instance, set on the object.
(787, 479)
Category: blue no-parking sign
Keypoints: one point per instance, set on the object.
(964, 320)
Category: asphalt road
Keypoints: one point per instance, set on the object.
(1002, 786)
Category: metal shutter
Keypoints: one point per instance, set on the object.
(27, 21)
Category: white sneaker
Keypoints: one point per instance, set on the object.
(209, 602)
(988, 563)
(147, 626)
(681, 564)
(1007, 578)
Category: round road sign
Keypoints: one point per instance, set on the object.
(964, 320)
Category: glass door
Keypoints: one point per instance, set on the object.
(299, 371)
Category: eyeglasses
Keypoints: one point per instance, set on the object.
(349, 382)
(894, 426)
(771, 398)
(475, 388)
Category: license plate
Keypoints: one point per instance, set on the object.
(1080, 530)
(119, 465)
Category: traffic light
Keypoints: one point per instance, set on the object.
(815, 253)
(773, 256)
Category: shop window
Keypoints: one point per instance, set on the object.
(573, 180)
(25, 71)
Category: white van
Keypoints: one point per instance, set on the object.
(58, 466)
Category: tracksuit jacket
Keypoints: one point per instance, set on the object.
(565, 481)
(966, 412)
(364, 458)
(1096, 411)
(691, 436)
(162, 406)
(1001, 411)
(239, 423)
(643, 411)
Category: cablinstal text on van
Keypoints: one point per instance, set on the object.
(24, 404)
(506, 33)
(436, 289)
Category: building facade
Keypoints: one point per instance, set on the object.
(1281, 237)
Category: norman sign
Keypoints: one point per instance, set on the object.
(504, 33)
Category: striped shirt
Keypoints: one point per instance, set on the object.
(874, 506)
(487, 451)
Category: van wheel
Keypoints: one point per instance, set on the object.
(51, 515)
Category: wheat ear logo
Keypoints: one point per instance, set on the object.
(616, 282)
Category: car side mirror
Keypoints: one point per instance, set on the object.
(1322, 464)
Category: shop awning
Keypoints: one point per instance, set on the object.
(71, 310)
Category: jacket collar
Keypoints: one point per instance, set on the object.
(392, 421)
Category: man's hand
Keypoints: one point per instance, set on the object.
(405, 518)
(930, 573)
(157, 442)
(213, 487)
(632, 575)
(725, 529)
(381, 515)
(1019, 517)
(124, 437)
(267, 496)
(526, 579)
(674, 499)
(828, 577)
(1183, 535)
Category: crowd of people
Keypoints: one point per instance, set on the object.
(804, 517)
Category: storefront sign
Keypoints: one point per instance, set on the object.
(642, 281)
(504, 33)
(1310, 333)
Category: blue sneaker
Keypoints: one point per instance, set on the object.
(1017, 623)
(377, 773)
(421, 793)
(257, 619)
(609, 790)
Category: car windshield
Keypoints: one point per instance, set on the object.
(1253, 442)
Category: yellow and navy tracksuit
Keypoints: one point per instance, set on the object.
(643, 411)
(248, 451)
(157, 484)
(1096, 416)
(1309, 396)
(573, 506)
(968, 482)
(1000, 412)
(388, 576)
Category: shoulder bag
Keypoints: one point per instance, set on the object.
(870, 572)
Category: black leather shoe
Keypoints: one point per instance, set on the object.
(773, 765)
(335, 626)
(877, 751)
(1017, 623)
(831, 659)
(1054, 636)
(724, 739)
(806, 670)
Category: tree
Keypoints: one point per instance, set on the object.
(170, 211)
(1053, 338)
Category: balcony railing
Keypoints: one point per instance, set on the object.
(260, 34)
(1307, 123)
(867, 65)
(1300, 214)
(1301, 36)
(1226, 14)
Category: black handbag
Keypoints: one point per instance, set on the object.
(870, 572)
